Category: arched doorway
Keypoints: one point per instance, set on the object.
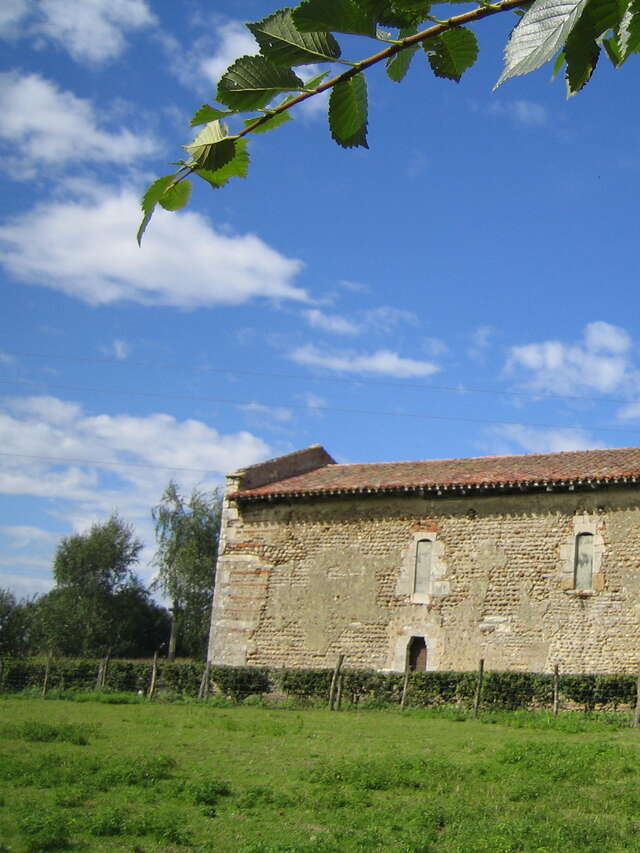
(417, 651)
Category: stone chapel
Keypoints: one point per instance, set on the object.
(526, 561)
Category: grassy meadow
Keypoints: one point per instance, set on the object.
(91, 776)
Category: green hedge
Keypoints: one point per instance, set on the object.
(509, 690)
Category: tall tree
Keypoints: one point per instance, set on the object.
(259, 93)
(85, 612)
(187, 533)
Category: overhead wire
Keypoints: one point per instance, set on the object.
(234, 371)
(306, 407)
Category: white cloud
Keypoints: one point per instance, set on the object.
(133, 459)
(515, 438)
(119, 349)
(276, 413)
(434, 347)
(480, 341)
(334, 323)
(233, 40)
(11, 14)
(523, 112)
(91, 31)
(85, 247)
(599, 363)
(314, 403)
(383, 362)
(24, 535)
(386, 318)
(48, 127)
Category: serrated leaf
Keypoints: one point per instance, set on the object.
(397, 13)
(283, 44)
(212, 148)
(581, 49)
(629, 33)
(207, 113)
(151, 197)
(334, 16)
(252, 81)
(398, 65)
(452, 53)
(614, 52)
(348, 109)
(558, 64)
(176, 197)
(315, 81)
(539, 35)
(236, 168)
(270, 124)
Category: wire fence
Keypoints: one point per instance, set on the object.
(340, 687)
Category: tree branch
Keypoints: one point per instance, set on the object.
(483, 11)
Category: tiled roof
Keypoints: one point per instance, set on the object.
(535, 470)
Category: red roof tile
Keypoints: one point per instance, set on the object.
(491, 471)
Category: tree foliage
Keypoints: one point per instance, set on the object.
(258, 93)
(98, 603)
(187, 532)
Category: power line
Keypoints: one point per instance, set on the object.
(315, 408)
(339, 379)
(104, 462)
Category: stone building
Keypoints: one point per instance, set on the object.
(526, 561)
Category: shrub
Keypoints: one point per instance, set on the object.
(240, 681)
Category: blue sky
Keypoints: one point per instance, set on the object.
(465, 287)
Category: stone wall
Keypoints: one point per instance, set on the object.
(301, 581)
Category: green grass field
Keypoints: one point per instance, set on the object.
(176, 777)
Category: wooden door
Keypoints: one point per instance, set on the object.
(417, 654)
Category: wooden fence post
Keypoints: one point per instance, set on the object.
(154, 675)
(556, 690)
(334, 681)
(47, 669)
(204, 682)
(339, 692)
(105, 668)
(478, 696)
(636, 716)
(405, 682)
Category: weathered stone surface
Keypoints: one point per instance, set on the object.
(303, 580)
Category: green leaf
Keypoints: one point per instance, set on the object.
(151, 197)
(348, 112)
(614, 51)
(270, 124)
(236, 168)
(397, 13)
(206, 114)
(315, 81)
(451, 53)
(283, 44)
(338, 16)
(581, 49)
(252, 81)
(539, 35)
(630, 29)
(212, 148)
(176, 197)
(558, 64)
(399, 64)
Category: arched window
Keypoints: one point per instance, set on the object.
(583, 562)
(422, 575)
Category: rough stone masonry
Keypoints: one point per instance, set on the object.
(526, 561)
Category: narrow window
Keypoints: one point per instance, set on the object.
(583, 567)
(422, 577)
